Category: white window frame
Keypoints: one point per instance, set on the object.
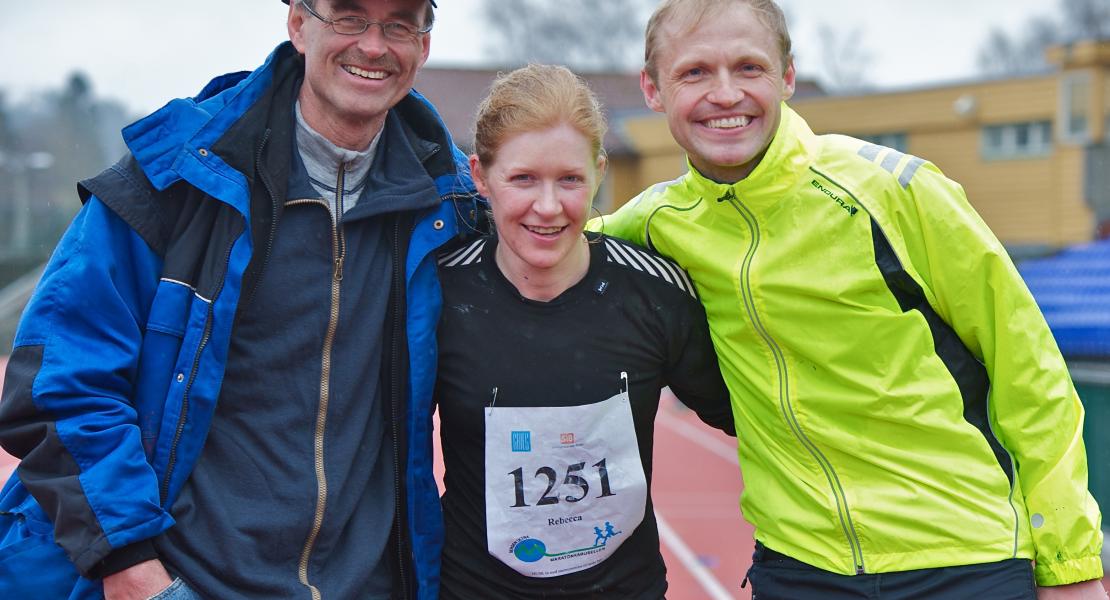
(1039, 143)
(1064, 117)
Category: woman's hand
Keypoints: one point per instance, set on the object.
(1086, 590)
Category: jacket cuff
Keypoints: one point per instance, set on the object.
(122, 558)
(1068, 571)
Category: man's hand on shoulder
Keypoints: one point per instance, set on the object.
(137, 582)
(1086, 590)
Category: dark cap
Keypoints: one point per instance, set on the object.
(432, 2)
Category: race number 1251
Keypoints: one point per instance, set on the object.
(573, 477)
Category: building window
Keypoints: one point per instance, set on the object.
(1106, 110)
(1017, 140)
(1075, 100)
(896, 140)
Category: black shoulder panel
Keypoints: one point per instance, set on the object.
(970, 374)
(47, 468)
(125, 189)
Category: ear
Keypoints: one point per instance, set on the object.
(788, 81)
(602, 166)
(478, 175)
(427, 48)
(652, 96)
(294, 23)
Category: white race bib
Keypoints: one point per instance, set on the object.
(564, 485)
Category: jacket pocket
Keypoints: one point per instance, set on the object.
(159, 358)
(31, 564)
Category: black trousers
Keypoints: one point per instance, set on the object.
(775, 576)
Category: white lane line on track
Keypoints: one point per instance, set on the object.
(701, 436)
(708, 582)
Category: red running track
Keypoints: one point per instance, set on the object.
(696, 487)
(7, 463)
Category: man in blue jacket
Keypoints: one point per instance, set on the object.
(221, 387)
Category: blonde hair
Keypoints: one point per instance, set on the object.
(536, 97)
(687, 14)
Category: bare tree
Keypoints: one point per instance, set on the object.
(1085, 19)
(845, 61)
(1006, 54)
(585, 34)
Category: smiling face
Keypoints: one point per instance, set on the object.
(721, 84)
(540, 185)
(351, 81)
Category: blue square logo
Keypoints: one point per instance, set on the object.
(521, 441)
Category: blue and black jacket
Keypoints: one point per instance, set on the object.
(119, 358)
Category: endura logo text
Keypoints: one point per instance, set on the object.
(852, 210)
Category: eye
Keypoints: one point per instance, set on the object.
(349, 25)
(398, 30)
(573, 179)
(693, 73)
(751, 69)
(521, 178)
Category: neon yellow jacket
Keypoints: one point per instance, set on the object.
(887, 365)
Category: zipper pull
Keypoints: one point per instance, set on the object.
(339, 269)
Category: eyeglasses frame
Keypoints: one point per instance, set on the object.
(410, 34)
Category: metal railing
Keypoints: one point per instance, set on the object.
(13, 298)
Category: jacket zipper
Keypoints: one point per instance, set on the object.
(338, 252)
(394, 405)
(181, 419)
(165, 489)
(785, 404)
(265, 178)
(171, 462)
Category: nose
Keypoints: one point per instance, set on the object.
(726, 90)
(548, 204)
(372, 42)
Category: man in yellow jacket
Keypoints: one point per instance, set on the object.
(907, 425)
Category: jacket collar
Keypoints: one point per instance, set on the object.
(398, 178)
(186, 128)
(175, 142)
(792, 150)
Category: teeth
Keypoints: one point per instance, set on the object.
(364, 73)
(729, 123)
(544, 230)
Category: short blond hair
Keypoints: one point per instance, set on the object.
(532, 98)
(687, 14)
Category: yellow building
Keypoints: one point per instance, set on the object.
(1033, 152)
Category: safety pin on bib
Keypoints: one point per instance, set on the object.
(492, 402)
(624, 382)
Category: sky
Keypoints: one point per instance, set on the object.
(144, 52)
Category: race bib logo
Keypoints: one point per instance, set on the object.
(521, 441)
(566, 438)
(529, 550)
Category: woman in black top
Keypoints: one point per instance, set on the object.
(554, 345)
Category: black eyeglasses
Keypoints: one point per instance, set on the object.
(396, 31)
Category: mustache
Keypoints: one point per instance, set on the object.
(385, 63)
